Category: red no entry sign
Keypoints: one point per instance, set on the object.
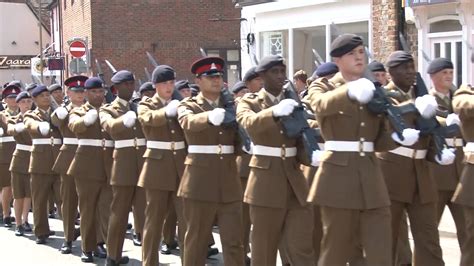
(77, 49)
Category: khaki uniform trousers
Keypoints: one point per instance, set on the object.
(467, 250)
(169, 226)
(94, 205)
(444, 199)
(343, 229)
(424, 228)
(200, 217)
(20, 185)
(158, 202)
(245, 219)
(290, 229)
(55, 198)
(123, 199)
(41, 186)
(69, 205)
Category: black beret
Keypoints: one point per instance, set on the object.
(76, 83)
(376, 66)
(345, 43)
(122, 76)
(11, 91)
(38, 90)
(269, 62)
(31, 86)
(250, 74)
(54, 87)
(182, 84)
(397, 58)
(326, 69)
(93, 83)
(163, 73)
(240, 85)
(439, 64)
(22, 95)
(147, 86)
(208, 66)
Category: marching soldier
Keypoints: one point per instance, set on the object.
(411, 187)
(252, 80)
(447, 176)
(7, 147)
(164, 161)
(215, 195)
(118, 119)
(57, 93)
(183, 87)
(19, 164)
(379, 72)
(69, 199)
(91, 169)
(46, 141)
(463, 105)
(146, 89)
(276, 190)
(349, 186)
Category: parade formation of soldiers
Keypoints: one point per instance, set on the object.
(326, 171)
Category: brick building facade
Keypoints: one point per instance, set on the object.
(123, 30)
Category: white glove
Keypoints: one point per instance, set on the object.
(410, 136)
(20, 127)
(447, 156)
(90, 117)
(216, 116)
(1, 131)
(129, 119)
(44, 128)
(316, 157)
(171, 109)
(361, 90)
(61, 112)
(452, 119)
(284, 108)
(426, 105)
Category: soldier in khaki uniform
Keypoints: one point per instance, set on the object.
(118, 119)
(411, 187)
(46, 141)
(210, 186)
(447, 176)
(66, 155)
(19, 164)
(7, 146)
(349, 186)
(164, 161)
(276, 189)
(463, 105)
(91, 169)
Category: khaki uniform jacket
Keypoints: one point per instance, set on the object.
(128, 162)
(447, 176)
(463, 105)
(165, 167)
(67, 151)
(407, 177)
(271, 178)
(350, 180)
(42, 156)
(21, 159)
(89, 162)
(7, 148)
(243, 159)
(208, 177)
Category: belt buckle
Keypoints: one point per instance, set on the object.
(52, 141)
(135, 143)
(413, 155)
(361, 148)
(219, 149)
(283, 153)
(103, 144)
(172, 146)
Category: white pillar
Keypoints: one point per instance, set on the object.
(291, 54)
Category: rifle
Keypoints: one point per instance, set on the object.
(318, 59)
(109, 97)
(230, 120)
(147, 74)
(296, 125)
(430, 126)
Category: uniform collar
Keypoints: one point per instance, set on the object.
(273, 98)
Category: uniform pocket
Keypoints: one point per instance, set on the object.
(260, 162)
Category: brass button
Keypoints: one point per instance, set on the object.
(134, 128)
(174, 153)
(220, 132)
(283, 145)
(362, 124)
(362, 139)
(281, 131)
(341, 112)
(172, 131)
(362, 154)
(361, 107)
(221, 158)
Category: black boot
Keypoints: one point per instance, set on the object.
(66, 248)
(100, 252)
(137, 239)
(87, 257)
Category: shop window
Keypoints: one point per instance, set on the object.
(445, 25)
(273, 43)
